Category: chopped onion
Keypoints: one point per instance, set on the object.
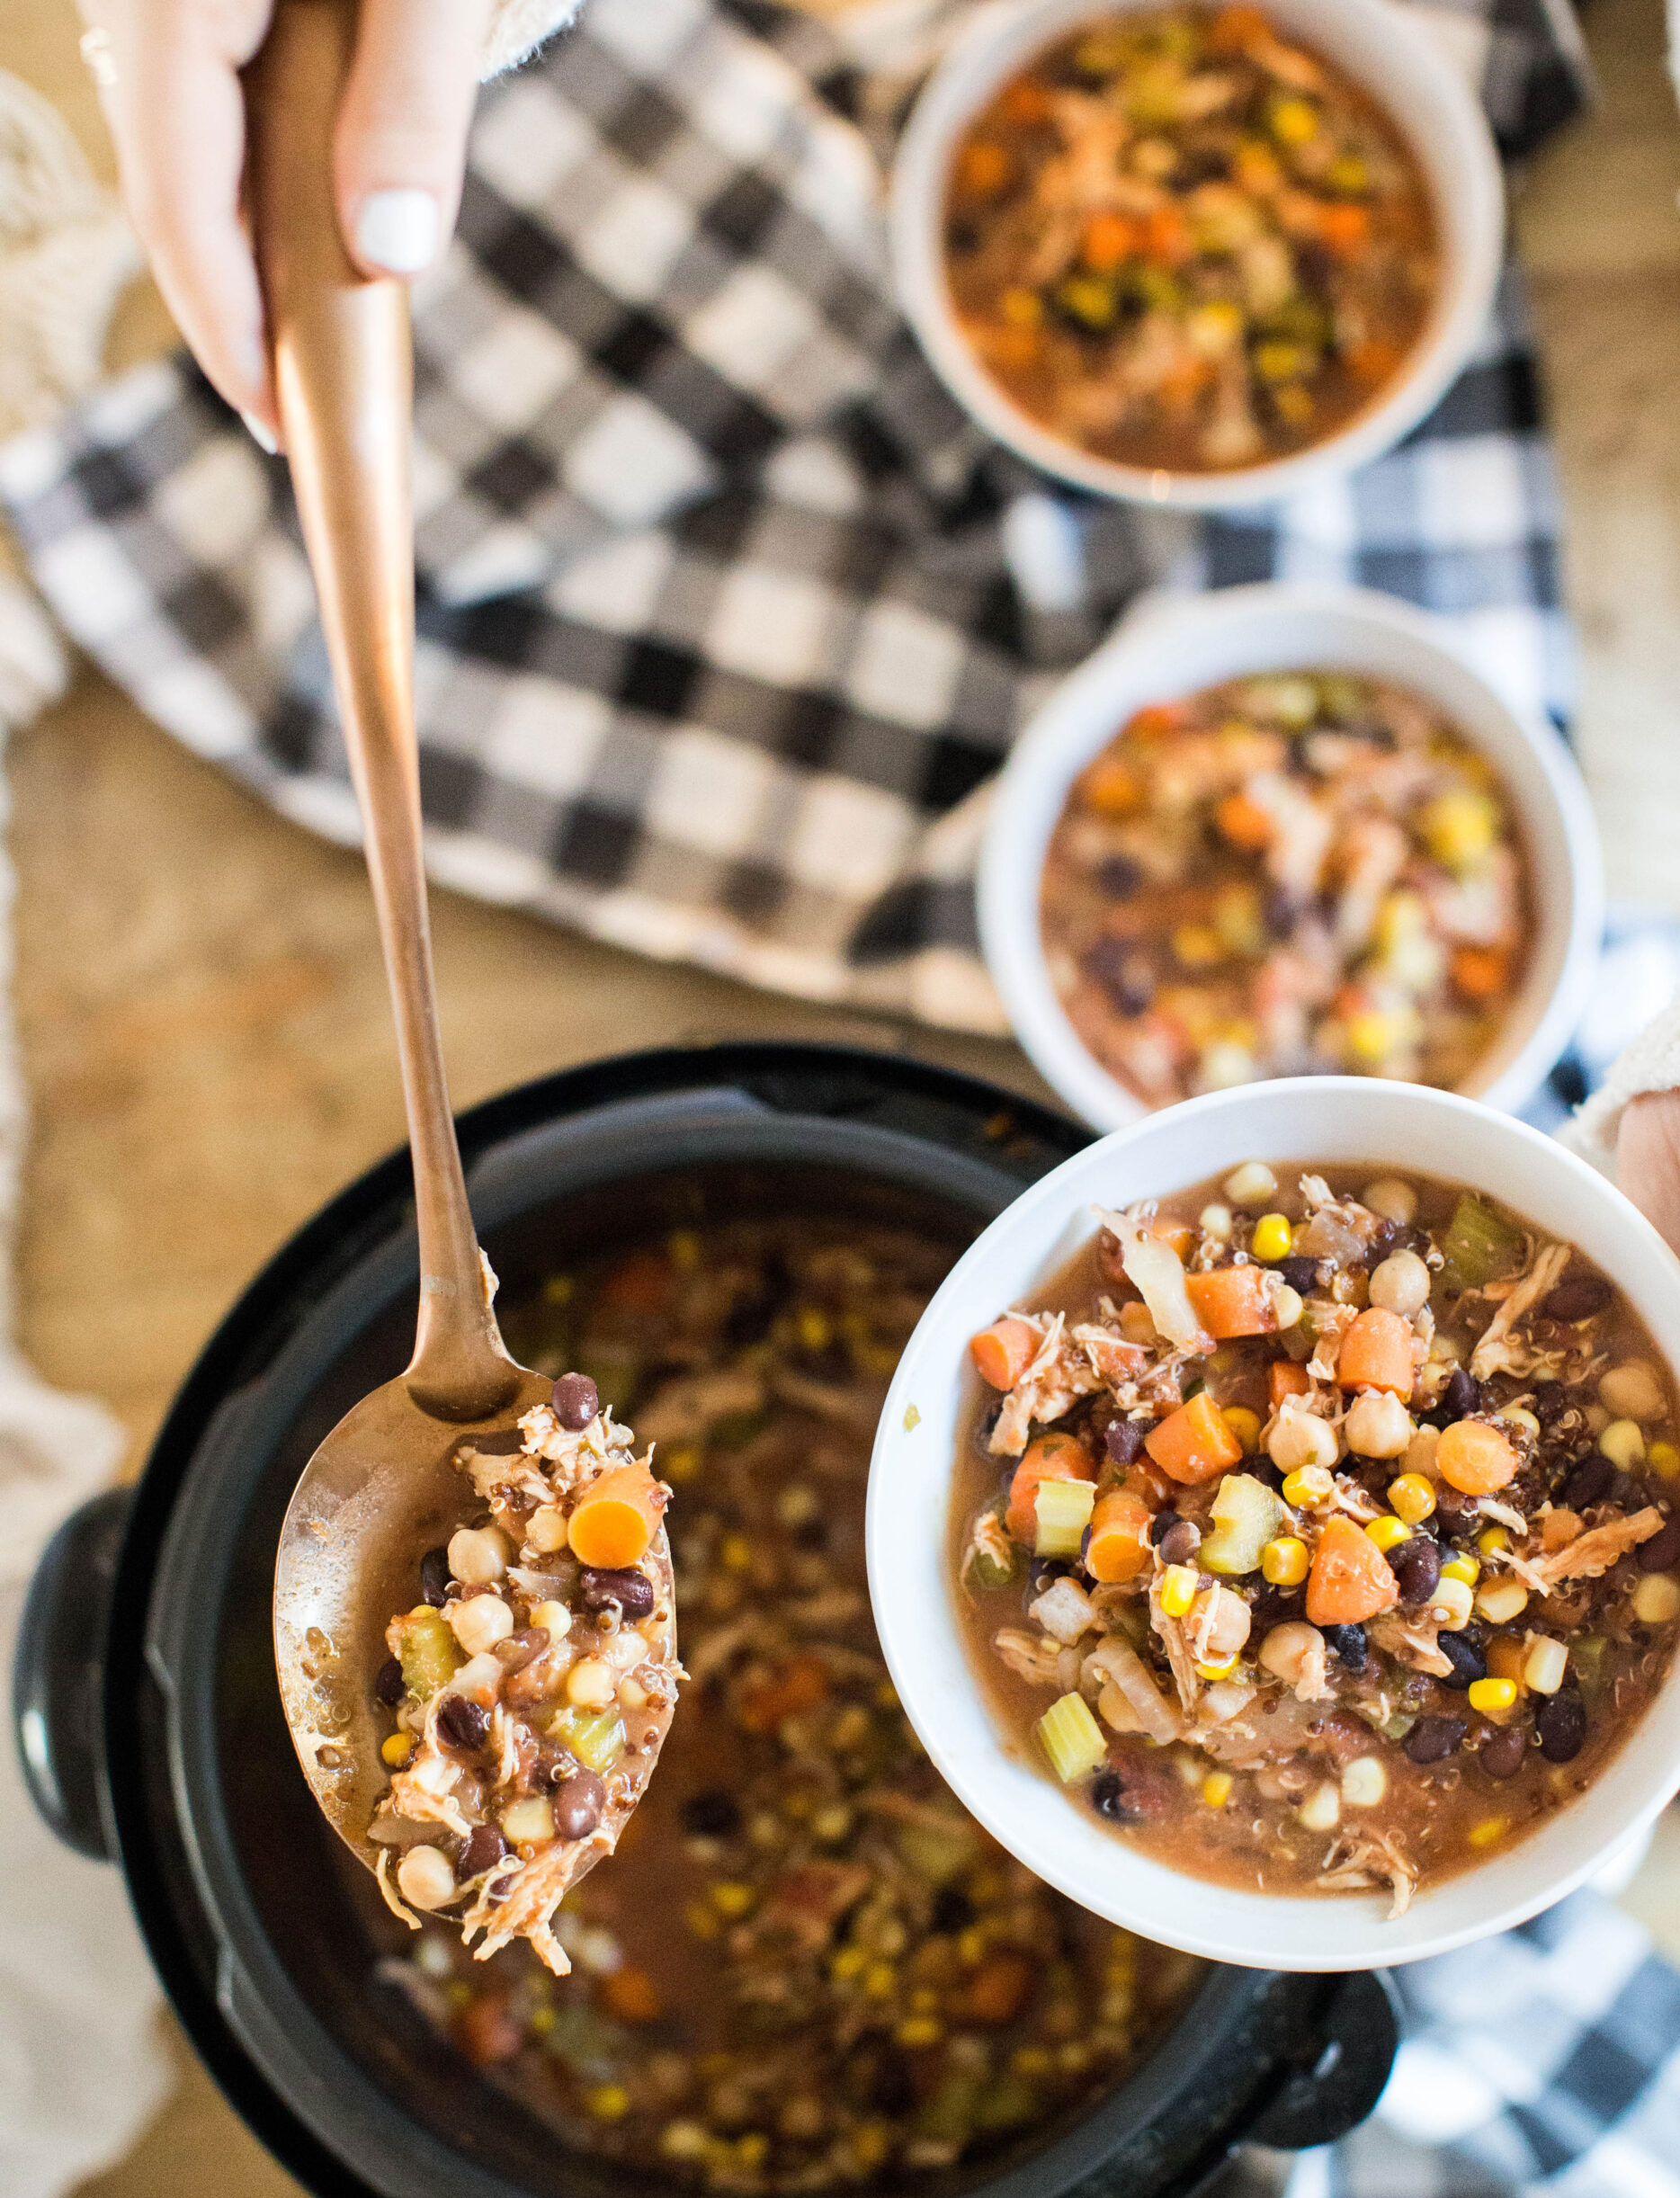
(1158, 1272)
(1117, 1662)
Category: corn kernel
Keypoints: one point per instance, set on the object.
(1198, 946)
(737, 1552)
(732, 1899)
(700, 1920)
(1364, 1782)
(1031, 2060)
(1413, 1497)
(752, 2150)
(1294, 122)
(1309, 1486)
(1656, 1599)
(1285, 1562)
(397, 1749)
(1272, 1236)
(872, 2141)
(1489, 1831)
(1545, 1664)
(881, 1981)
(849, 1963)
(1501, 1601)
(919, 2030)
(1214, 1673)
(1321, 1811)
(1450, 1605)
(1178, 1589)
(1216, 1789)
(1465, 1569)
(816, 1331)
(1664, 1460)
(1623, 1443)
(1021, 308)
(1519, 1415)
(609, 2102)
(679, 1462)
(1251, 1184)
(1288, 1305)
(1388, 1532)
(1460, 828)
(1492, 1539)
(1244, 1425)
(1492, 1697)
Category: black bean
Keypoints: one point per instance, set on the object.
(482, 1852)
(1346, 1644)
(1299, 1272)
(1123, 974)
(434, 1578)
(1124, 1440)
(1282, 908)
(1179, 1543)
(1416, 1566)
(1044, 1572)
(1162, 1524)
(464, 1723)
(1431, 1740)
(1576, 1298)
(1108, 1797)
(390, 1685)
(1466, 1658)
(579, 1802)
(1562, 1727)
(1273, 1606)
(892, 2084)
(1551, 1401)
(1661, 1553)
(712, 1814)
(1460, 1397)
(1119, 877)
(1383, 1239)
(631, 1590)
(1501, 1754)
(1589, 1482)
(520, 1648)
(953, 1911)
(983, 1427)
(576, 1401)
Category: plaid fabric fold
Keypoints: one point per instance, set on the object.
(727, 613)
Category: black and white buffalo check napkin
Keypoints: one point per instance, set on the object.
(727, 615)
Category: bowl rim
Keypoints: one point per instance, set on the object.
(1407, 1127)
(1458, 155)
(1075, 720)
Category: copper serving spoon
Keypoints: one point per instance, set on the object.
(383, 1488)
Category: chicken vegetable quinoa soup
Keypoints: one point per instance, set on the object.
(1180, 241)
(805, 1965)
(532, 1683)
(1303, 871)
(1336, 1540)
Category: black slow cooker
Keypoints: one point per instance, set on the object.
(149, 1720)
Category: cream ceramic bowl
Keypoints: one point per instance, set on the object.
(1333, 1119)
(1378, 46)
(1196, 641)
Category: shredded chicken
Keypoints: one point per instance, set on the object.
(1501, 1352)
(988, 1540)
(1369, 1859)
(1411, 1640)
(1593, 1552)
(1170, 1632)
(1159, 1274)
(1032, 1656)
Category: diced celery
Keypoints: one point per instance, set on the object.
(1479, 1245)
(1072, 1738)
(427, 1653)
(1246, 1513)
(596, 1736)
(937, 1852)
(1064, 1512)
(1587, 1656)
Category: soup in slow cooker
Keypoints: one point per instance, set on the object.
(1182, 241)
(1336, 1537)
(805, 1965)
(1291, 874)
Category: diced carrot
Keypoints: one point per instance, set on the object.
(1169, 1229)
(1166, 236)
(630, 1995)
(1026, 102)
(616, 1517)
(1557, 1529)
(1155, 720)
(1474, 1458)
(639, 1285)
(1119, 1546)
(998, 1989)
(1009, 346)
(1110, 789)
(1053, 1457)
(1109, 238)
(1351, 1579)
(1373, 362)
(1232, 1301)
(1194, 1442)
(1377, 1353)
(1003, 1351)
(1481, 972)
(983, 167)
(1284, 1379)
(1235, 27)
(801, 1683)
(1345, 229)
(1184, 381)
(1243, 823)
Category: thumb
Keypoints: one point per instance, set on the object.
(1648, 1160)
(402, 129)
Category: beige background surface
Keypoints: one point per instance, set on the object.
(203, 1019)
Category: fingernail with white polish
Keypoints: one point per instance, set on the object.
(261, 434)
(398, 230)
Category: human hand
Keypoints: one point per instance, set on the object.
(1648, 1160)
(167, 72)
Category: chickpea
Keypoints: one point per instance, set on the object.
(424, 1878)
(591, 1684)
(1378, 1426)
(1301, 1438)
(479, 1555)
(1401, 1284)
(1395, 1201)
(1632, 1391)
(480, 1622)
(1228, 1632)
(545, 1530)
(1294, 1651)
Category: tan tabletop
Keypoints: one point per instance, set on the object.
(202, 1014)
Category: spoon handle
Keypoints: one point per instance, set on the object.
(343, 370)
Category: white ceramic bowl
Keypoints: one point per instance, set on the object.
(1330, 1119)
(1423, 92)
(1195, 641)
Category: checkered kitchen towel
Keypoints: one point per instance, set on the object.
(727, 615)
(1545, 2062)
